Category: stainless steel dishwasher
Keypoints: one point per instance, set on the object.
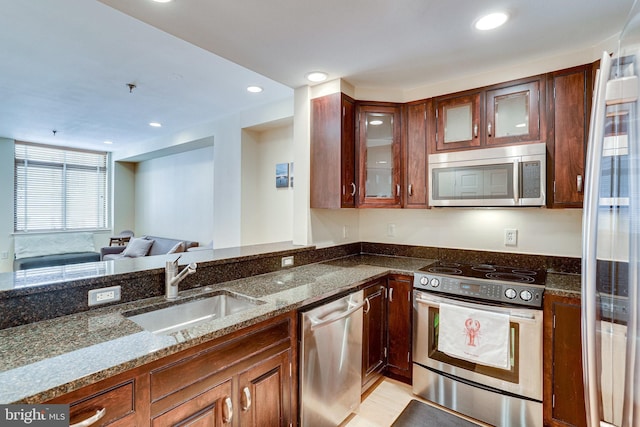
(331, 361)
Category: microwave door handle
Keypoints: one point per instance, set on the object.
(516, 182)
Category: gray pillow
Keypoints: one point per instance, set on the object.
(137, 247)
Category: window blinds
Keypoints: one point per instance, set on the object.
(59, 189)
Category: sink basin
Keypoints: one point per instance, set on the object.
(186, 314)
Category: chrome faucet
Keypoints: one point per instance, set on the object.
(172, 277)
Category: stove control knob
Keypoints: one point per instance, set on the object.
(434, 283)
(424, 280)
(526, 295)
(510, 293)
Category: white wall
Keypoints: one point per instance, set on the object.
(267, 211)
(6, 198)
(174, 196)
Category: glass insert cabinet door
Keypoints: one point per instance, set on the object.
(458, 122)
(379, 155)
(513, 114)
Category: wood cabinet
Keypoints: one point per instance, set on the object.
(399, 320)
(332, 169)
(374, 335)
(378, 154)
(563, 387)
(570, 91)
(244, 379)
(502, 114)
(415, 154)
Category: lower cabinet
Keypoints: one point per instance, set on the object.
(399, 320)
(245, 379)
(374, 334)
(563, 384)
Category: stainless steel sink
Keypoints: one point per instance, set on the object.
(186, 314)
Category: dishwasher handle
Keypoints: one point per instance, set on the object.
(318, 323)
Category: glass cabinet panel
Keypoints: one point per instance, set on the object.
(512, 114)
(458, 123)
(379, 164)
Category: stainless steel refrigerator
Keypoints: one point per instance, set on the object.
(611, 239)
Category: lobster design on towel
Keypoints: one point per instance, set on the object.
(472, 331)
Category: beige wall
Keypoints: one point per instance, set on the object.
(267, 211)
(6, 201)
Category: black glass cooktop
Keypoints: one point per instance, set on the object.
(489, 271)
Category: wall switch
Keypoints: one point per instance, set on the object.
(345, 231)
(391, 230)
(510, 237)
(4, 255)
(104, 295)
(287, 261)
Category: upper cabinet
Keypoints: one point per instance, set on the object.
(379, 155)
(333, 175)
(414, 154)
(570, 91)
(508, 113)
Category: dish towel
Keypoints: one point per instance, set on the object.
(478, 336)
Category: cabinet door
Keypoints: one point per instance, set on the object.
(265, 393)
(513, 114)
(563, 386)
(570, 123)
(415, 156)
(332, 169)
(399, 327)
(374, 333)
(213, 407)
(458, 122)
(379, 156)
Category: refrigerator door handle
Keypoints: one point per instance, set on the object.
(589, 233)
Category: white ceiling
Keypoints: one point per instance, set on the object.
(65, 63)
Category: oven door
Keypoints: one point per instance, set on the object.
(524, 375)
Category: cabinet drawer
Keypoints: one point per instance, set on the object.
(118, 402)
(204, 364)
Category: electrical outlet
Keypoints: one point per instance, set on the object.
(287, 261)
(391, 230)
(510, 237)
(345, 231)
(104, 295)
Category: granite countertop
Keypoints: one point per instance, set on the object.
(563, 284)
(49, 358)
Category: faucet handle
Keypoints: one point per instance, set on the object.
(174, 263)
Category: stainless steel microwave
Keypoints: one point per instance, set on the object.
(499, 176)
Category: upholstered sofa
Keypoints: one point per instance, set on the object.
(54, 249)
(136, 248)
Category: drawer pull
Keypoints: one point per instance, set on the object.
(227, 411)
(246, 399)
(91, 420)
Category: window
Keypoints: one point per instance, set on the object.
(59, 189)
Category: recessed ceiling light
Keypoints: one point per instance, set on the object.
(254, 89)
(155, 124)
(491, 21)
(317, 76)
(162, 1)
(108, 142)
(376, 122)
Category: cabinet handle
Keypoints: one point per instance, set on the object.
(91, 420)
(227, 411)
(366, 310)
(410, 190)
(489, 128)
(475, 130)
(353, 186)
(398, 190)
(390, 294)
(579, 183)
(246, 399)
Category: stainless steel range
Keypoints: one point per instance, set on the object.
(477, 346)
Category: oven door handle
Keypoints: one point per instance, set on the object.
(518, 316)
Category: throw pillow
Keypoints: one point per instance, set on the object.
(137, 247)
(179, 247)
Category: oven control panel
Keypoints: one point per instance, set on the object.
(472, 288)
